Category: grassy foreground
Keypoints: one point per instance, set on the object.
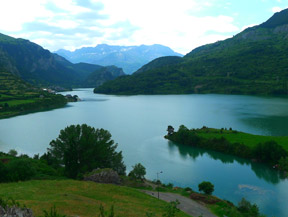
(79, 198)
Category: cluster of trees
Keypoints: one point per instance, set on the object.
(78, 150)
(268, 152)
(13, 169)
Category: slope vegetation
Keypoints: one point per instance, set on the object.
(79, 198)
(252, 62)
(39, 67)
(19, 97)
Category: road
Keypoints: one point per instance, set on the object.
(187, 205)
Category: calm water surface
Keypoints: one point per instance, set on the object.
(138, 124)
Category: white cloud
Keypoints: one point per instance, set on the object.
(55, 24)
(276, 9)
(14, 13)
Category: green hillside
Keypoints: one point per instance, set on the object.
(101, 75)
(79, 198)
(39, 67)
(19, 97)
(252, 62)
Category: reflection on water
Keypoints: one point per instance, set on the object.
(261, 171)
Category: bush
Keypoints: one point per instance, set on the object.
(244, 206)
(138, 172)
(13, 152)
(20, 169)
(206, 187)
(171, 209)
(270, 152)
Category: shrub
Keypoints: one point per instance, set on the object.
(20, 169)
(244, 206)
(138, 171)
(206, 187)
(270, 152)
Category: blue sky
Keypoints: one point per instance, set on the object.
(182, 25)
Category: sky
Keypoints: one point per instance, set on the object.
(179, 24)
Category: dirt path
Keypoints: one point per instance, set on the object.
(186, 205)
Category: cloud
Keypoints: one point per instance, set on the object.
(276, 9)
(72, 24)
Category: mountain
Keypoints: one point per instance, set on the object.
(130, 58)
(101, 75)
(38, 66)
(252, 62)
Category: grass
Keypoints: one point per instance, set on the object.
(19, 102)
(79, 198)
(223, 209)
(240, 137)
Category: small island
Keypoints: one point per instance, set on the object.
(270, 150)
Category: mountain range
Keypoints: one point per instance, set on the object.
(251, 62)
(40, 67)
(129, 58)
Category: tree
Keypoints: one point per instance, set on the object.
(138, 171)
(206, 187)
(83, 148)
(13, 152)
(270, 152)
(244, 206)
(170, 130)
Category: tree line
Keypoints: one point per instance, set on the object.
(269, 152)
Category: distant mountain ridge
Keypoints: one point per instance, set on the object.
(129, 58)
(252, 62)
(38, 66)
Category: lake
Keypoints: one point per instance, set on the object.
(138, 124)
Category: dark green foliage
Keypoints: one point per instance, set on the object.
(171, 209)
(13, 152)
(206, 187)
(42, 68)
(252, 62)
(138, 172)
(269, 152)
(283, 164)
(3, 172)
(25, 168)
(248, 209)
(277, 19)
(52, 213)
(188, 189)
(102, 75)
(20, 169)
(159, 62)
(81, 148)
(19, 97)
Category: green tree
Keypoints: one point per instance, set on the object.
(81, 148)
(244, 206)
(270, 152)
(3, 172)
(138, 172)
(13, 152)
(206, 187)
(20, 169)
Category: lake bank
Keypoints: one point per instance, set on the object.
(138, 124)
